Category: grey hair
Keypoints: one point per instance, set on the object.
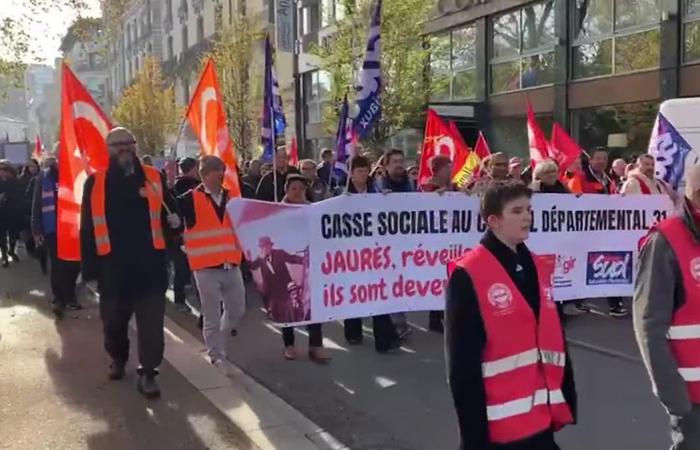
(544, 166)
(210, 163)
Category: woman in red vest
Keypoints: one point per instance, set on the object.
(511, 379)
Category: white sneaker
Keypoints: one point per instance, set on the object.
(224, 367)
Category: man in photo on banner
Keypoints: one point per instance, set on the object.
(666, 312)
(126, 211)
(507, 363)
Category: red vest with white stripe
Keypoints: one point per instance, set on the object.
(684, 333)
(523, 359)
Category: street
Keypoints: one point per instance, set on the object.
(59, 396)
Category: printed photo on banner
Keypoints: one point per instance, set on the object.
(277, 258)
(362, 255)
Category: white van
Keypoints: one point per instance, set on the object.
(684, 115)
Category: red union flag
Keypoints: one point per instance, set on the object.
(539, 146)
(439, 140)
(82, 151)
(208, 120)
(564, 149)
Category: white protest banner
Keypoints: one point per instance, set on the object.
(375, 254)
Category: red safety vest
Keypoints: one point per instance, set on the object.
(684, 332)
(523, 359)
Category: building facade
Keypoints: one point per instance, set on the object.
(598, 67)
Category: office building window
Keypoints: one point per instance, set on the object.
(691, 30)
(522, 48)
(614, 36)
(200, 29)
(453, 64)
(317, 90)
(310, 20)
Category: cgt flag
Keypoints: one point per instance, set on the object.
(82, 151)
(207, 118)
(439, 140)
(670, 151)
(370, 84)
(539, 147)
(273, 122)
(564, 150)
(344, 140)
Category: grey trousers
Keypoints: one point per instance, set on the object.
(217, 287)
(685, 432)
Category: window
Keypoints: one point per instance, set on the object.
(453, 64)
(317, 90)
(615, 36)
(200, 29)
(170, 48)
(331, 12)
(310, 19)
(691, 30)
(522, 48)
(185, 42)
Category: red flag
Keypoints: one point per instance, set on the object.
(463, 149)
(293, 152)
(539, 147)
(82, 151)
(208, 120)
(38, 149)
(481, 148)
(564, 150)
(438, 140)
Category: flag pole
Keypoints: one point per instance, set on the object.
(273, 137)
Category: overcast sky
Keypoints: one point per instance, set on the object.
(47, 29)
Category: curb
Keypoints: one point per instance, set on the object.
(268, 421)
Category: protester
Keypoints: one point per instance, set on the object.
(295, 193)
(264, 170)
(215, 255)
(515, 168)
(64, 274)
(147, 160)
(271, 188)
(546, 179)
(385, 337)
(27, 180)
(594, 180)
(643, 180)
(326, 169)
(413, 176)
(573, 177)
(396, 179)
(666, 318)
(182, 276)
(318, 189)
(507, 364)
(125, 212)
(441, 181)
(11, 210)
(617, 171)
(253, 174)
(495, 170)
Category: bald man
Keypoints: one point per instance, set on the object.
(667, 315)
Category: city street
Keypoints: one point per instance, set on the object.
(59, 396)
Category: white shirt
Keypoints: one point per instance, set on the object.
(632, 185)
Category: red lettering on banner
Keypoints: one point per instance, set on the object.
(404, 287)
(420, 257)
(371, 292)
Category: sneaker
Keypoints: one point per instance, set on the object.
(224, 367)
(576, 309)
(13, 256)
(618, 311)
(147, 386)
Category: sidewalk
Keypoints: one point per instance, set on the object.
(55, 392)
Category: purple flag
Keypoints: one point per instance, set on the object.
(274, 122)
(344, 144)
(370, 82)
(670, 150)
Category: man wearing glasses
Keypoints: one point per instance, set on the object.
(125, 212)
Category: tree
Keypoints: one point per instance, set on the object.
(148, 109)
(405, 86)
(242, 93)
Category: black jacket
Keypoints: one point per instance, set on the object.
(266, 189)
(465, 338)
(133, 267)
(184, 184)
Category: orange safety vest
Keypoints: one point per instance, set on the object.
(153, 190)
(211, 242)
(684, 333)
(524, 356)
